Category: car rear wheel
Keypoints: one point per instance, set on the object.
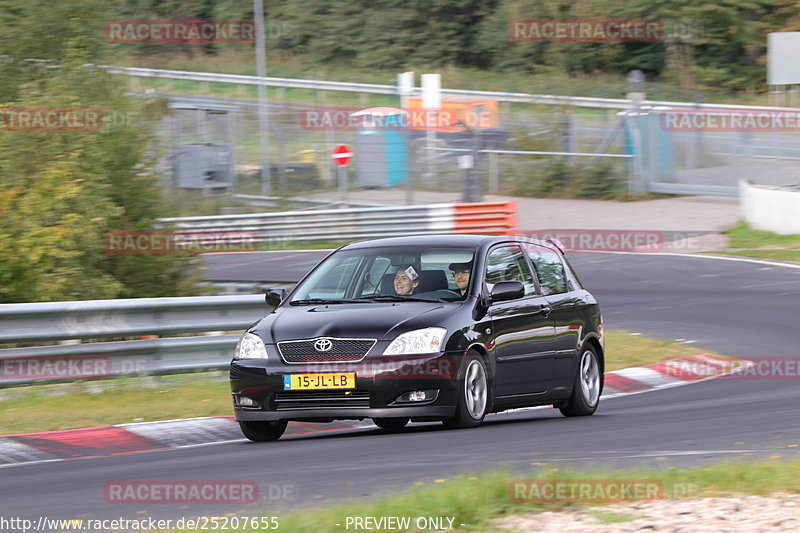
(390, 423)
(263, 431)
(473, 394)
(586, 389)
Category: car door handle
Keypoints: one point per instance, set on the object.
(545, 311)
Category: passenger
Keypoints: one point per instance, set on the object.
(461, 272)
(406, 280)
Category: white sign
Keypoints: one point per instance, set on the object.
(783, 68)
(432, 91)
(405, 82)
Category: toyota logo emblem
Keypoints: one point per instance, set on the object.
(323, 345)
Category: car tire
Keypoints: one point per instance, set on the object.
(587, 386)
(473, 394)
(391, 424)
(263, 431)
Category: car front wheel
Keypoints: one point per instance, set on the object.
(263, 431)
(586, 389)
(473, 394)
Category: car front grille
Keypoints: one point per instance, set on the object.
(321, 399)
(340, 351)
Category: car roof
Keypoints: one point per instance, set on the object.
(426, 240)
(470, 240)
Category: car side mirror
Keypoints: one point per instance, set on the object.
(274, 297)
(507, 290)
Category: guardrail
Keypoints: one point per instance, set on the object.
(374, 88)
(96, 319)
(496, 218)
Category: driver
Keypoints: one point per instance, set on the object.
(406, 280)
(461, 272)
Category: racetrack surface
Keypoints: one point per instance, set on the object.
(739, 308)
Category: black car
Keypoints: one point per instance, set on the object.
(424, 328)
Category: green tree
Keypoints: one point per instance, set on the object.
(61, 191)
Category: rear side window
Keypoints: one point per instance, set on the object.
(549, 269)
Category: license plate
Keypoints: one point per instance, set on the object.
(340, 380)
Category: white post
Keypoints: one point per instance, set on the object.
(342, 172)
(405, 83)
(431, 100)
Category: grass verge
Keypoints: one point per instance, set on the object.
(37, 407)
(148, 398)
(745, 241)
(476, 501)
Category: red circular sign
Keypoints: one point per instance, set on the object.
(342, 155)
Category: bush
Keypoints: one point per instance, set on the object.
(558, 177)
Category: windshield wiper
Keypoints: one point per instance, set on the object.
(400, 298)
(319, 301)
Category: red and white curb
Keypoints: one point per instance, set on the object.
(670, 373)
(105, 441)
(123, 439)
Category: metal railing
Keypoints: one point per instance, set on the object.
(358, 223)
(375, 88)
(103, 319)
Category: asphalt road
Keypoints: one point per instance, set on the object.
(734, 307)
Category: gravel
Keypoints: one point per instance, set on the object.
(776, 513)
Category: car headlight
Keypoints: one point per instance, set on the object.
(419, 341)
(250, 346)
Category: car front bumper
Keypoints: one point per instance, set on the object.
(380, 382)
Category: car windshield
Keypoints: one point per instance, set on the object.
(396, 274)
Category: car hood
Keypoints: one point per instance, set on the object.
(382, 321)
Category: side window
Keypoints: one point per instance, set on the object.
(506, 263)
(549, 269)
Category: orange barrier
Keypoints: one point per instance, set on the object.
(494, 218)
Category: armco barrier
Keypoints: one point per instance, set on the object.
(493, 218)
(97, 319)
(94, 319)
(767, 208)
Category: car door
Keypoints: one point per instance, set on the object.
(566, 311)
(523, 337)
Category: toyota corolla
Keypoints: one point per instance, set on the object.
(423, 328)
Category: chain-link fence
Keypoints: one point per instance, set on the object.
(469, 148)
(214, 145)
